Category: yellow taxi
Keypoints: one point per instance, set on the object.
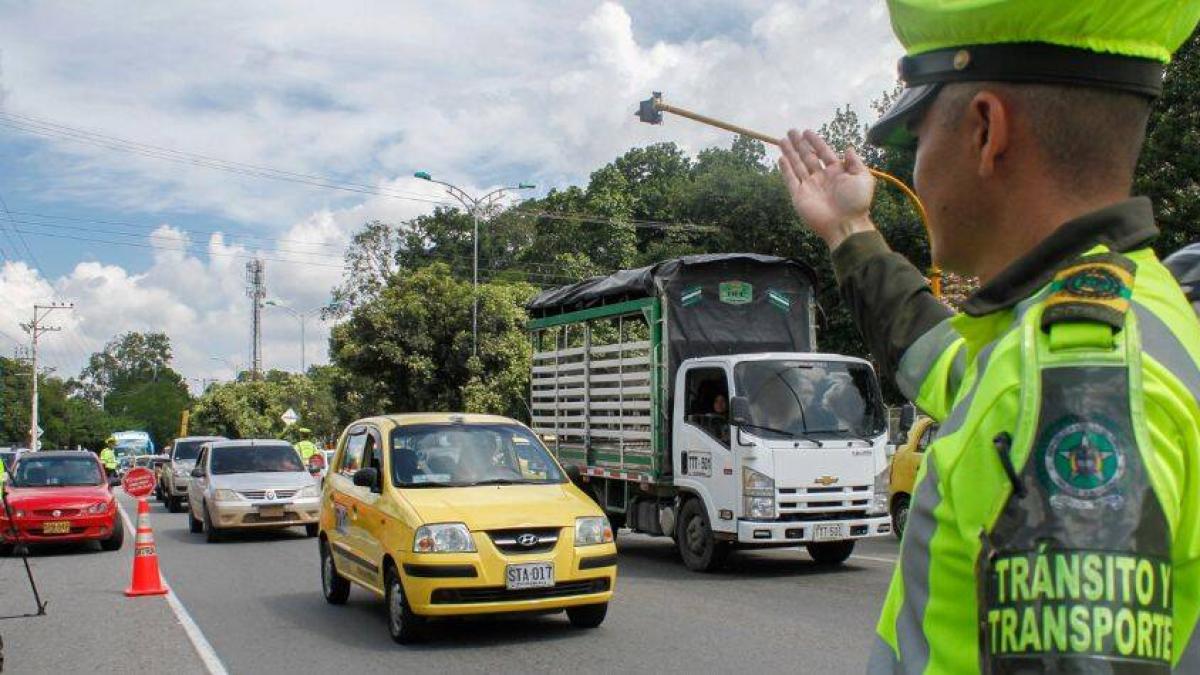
(446, 514)
(905, 463)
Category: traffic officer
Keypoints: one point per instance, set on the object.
(1056, 521)
(306, 447)
(108, 456)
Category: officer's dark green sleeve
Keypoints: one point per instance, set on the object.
(888, 297)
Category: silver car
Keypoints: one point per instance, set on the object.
(174, 475)
(251, 484)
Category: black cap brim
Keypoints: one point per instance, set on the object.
(893, 129)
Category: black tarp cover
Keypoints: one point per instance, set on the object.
(770, 314)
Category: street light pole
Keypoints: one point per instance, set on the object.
(472, 205)
(302, 317)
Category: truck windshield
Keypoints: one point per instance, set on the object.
(819, 399)
(457, 455)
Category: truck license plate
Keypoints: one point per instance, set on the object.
(57, 527)
(827, 532)
(529, 575)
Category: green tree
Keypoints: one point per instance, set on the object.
(254, 408)
(412, 345)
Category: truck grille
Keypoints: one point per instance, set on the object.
(262, 494)
(818, 503)
(454, 596)
(509, 541)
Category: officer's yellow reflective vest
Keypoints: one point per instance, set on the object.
(307, 449)
(1056, 518)
(108, 458)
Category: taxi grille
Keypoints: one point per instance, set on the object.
(262, 494)
(455, 596)
(509, 541)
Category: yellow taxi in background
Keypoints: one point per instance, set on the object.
(903, 476)
(447, 514)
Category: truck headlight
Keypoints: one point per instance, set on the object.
(758, 492)
(760, 508)
(879, 502)
(443, 538)
(592, 530)
(309, 491)
(223, 495)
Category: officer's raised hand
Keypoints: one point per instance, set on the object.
(831, 195)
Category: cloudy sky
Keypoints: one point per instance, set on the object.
(128, 133)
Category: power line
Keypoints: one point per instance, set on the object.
(48, 128)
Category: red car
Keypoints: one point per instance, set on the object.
(60, 497)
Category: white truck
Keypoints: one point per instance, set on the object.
(689, 399)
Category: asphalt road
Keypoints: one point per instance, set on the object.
(256, 598)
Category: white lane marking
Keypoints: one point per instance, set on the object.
(890, 561)
(203, 647)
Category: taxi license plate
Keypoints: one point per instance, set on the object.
(57, 527)
(529, 575)
(270, 511)
(827, 532)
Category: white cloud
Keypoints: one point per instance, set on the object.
(478, 93)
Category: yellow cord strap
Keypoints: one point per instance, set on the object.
(935, 272)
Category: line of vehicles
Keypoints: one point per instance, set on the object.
(686, 399)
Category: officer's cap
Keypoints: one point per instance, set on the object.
(1113, 44)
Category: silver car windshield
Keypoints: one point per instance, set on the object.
(811, 398)
(255, 459)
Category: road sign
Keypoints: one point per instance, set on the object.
(138, 482)
(290, 417)
(40, 431)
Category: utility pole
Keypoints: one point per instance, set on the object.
(36, 329)
(256, 288)
(302, 317)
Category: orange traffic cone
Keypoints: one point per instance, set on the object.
(146, 579)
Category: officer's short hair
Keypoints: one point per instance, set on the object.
(1090, 136)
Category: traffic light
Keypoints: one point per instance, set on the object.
(648, 111)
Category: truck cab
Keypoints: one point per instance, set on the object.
(779, 449)
(690, 400)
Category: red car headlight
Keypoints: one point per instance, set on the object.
(96, 509)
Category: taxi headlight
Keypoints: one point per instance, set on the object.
(592, 530)
(309, 491)
(443, 538)
(223, 495)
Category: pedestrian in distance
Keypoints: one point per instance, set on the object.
(1055, 525)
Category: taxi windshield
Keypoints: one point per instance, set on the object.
(455, 455)
(255, 459)
(57, 472)
(790, 399)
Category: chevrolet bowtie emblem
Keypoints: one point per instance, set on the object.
(826, 480)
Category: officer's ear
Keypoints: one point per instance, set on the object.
(989, 122)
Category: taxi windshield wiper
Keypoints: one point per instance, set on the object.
(499, 481)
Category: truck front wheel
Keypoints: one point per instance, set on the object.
(830, 552)
(700, 550)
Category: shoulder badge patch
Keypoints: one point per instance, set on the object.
(1093, 288)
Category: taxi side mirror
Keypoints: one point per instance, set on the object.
(574, 474)
(368, 478)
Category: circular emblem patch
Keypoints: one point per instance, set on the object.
(1093, 282)
(1084, 460)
